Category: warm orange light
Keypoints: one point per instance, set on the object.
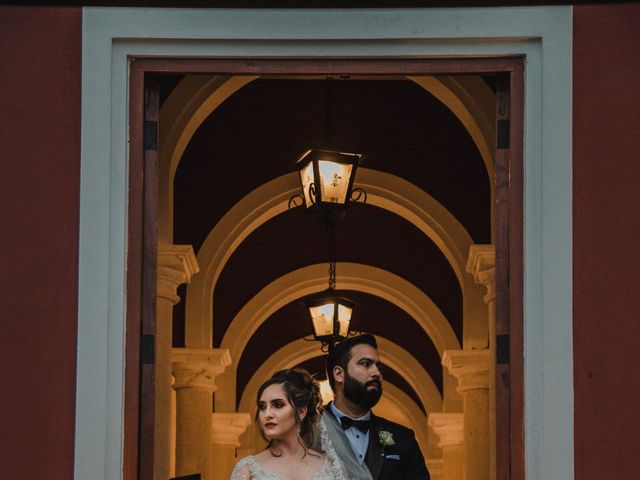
(344, 318)
(334, 181)
(325, 392)
(327, 177)
(330, 315)
(322, 316)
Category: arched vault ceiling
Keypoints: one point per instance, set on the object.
(372, 314)
(254, 137)
(257, 133)
(294, 239)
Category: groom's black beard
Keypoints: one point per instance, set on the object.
(360, 394)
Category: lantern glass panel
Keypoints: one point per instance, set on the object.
(306, 179)
(344, 318)
(334, 181)
(322, 317)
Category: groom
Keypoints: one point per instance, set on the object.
(388, 450)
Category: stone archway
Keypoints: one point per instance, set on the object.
(312, 279)
(392, 354)
(384, 190)
(190, 103)
(388, 192)
(197, 96)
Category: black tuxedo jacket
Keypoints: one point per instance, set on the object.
(401, 461)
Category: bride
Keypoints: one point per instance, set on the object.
(289, 406)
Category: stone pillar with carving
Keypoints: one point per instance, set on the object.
(471, 368)
(481, 264)
(449, 429)
(195, 371)
(176, 265)
(225, 438)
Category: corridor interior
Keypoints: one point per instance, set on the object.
(234, 261)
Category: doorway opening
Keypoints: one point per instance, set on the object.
(216, 260)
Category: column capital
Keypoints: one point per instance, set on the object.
(448, 427)
(199, 367)
(470, 367)
(481, 264)
(176, 265)
(227, 428)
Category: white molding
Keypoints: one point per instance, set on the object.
(543, 34)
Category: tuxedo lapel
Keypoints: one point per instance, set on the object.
(375, 454)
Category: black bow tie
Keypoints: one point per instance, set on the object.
(362, 425)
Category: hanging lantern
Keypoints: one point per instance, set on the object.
(330, 316)
(327, 177)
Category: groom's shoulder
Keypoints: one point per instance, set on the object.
(327, 412)
(385, 424)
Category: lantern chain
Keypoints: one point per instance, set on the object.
(332, 257)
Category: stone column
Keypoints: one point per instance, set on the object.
(195, 371)
(481, 264)
(225, 438)
(176, 265)
(449, 428)
(471, 368)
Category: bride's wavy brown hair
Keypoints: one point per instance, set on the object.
(302, 391)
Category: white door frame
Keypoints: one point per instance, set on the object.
(542, 34)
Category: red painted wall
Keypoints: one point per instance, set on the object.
(40, 58)
(606, 267)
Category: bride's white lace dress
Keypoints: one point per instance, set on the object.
(249, 469)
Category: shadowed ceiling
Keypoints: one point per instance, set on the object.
(257, 134)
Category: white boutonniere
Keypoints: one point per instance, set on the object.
(386, 438)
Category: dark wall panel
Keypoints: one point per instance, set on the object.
(606, 239)
(40, 63)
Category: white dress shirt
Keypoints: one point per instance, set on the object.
(359, 441)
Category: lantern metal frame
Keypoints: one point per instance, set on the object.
(326, 297)
(313, 198)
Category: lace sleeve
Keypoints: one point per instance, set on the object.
(343, 462)
(335, 465)
(241, 471)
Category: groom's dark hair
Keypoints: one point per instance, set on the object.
(341, 354)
